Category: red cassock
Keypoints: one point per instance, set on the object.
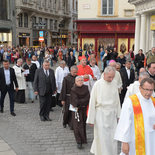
(82, 70)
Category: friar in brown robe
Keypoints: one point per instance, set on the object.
(68, 83)
(79, 100)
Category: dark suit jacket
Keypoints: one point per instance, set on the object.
(13, 79)
(40, 83)
(126, 82)
(71, 62)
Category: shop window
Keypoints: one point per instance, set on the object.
(46, 23)
(107, 7)
(25, 20)
(20, 20)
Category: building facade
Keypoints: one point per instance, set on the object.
(54, 17)
(145, 24)
(105, 22)
(7, 23)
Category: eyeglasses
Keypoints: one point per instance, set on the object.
(150, 90)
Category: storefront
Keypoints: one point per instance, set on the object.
(113, 32)
(5, 37)
(24, 39)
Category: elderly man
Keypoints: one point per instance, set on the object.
(68, 83)
(104, 110)
(79, 101)
(151, 70)
(134, 87)
(85, 71)
(136, 127)
(60, 73)
(117, 77)
(95, 69)
(44, 85)
(19, 96)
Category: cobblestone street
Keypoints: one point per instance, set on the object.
(27, 135)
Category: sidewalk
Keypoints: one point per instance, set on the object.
(5, 148)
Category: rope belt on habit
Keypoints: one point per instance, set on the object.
(68, 94)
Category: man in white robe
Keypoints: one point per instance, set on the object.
(134, 87)
(104, 110)
(60, 73)
(95, 69)
(125, 131)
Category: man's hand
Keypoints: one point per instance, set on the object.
(125, 148)
(86, 76)
(16, 89)
(154, 126)
(62, 102)
(36, 93)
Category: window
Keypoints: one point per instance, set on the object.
(107, 7)
(20, 20)
(34, 19)
(25, 20)
(46, 23)
(55, 25)
(3, 10)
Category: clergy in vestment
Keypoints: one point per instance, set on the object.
(134, 87)
(95, 69)
(67, 84)
(60, 73)
(85, 71)
(136, 127)
(19, 96)
(104, 110)
(79, 101)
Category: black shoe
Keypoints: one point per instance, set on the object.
(79, 146)
(32, 101)
(47, 118)
(13, 114)
(42, 118)
(64, 125)
(1, 110)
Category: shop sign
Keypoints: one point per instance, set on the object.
(41, 39)
(41, 33)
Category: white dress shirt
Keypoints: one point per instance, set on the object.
(7, 76)
(128, 72)
(47, 72)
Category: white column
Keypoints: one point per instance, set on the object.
(153, 39)
(137, 34)
(143, 33)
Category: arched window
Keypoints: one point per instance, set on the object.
(107, 7)
(20, 20)
(25, 20)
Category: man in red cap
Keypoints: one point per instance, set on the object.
(85, 71)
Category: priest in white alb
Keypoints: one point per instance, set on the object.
(136, 127)
(104, 110)
(133, 88)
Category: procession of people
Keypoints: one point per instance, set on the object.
(116, 99)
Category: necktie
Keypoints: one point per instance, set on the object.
(46, 73)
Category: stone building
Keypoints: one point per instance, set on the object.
(7, 23)
(145, 24)
(54, 17)
(105, 22)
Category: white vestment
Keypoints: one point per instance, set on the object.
(96, 72)
(118, 80)
(60, 73)
(125, 131)
(20, 78)
(37, 63)
(133, 88)
(104, 109)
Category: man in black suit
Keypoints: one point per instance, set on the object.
(151, 70)
(44, 85)
(128, 77)
(7, 81)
